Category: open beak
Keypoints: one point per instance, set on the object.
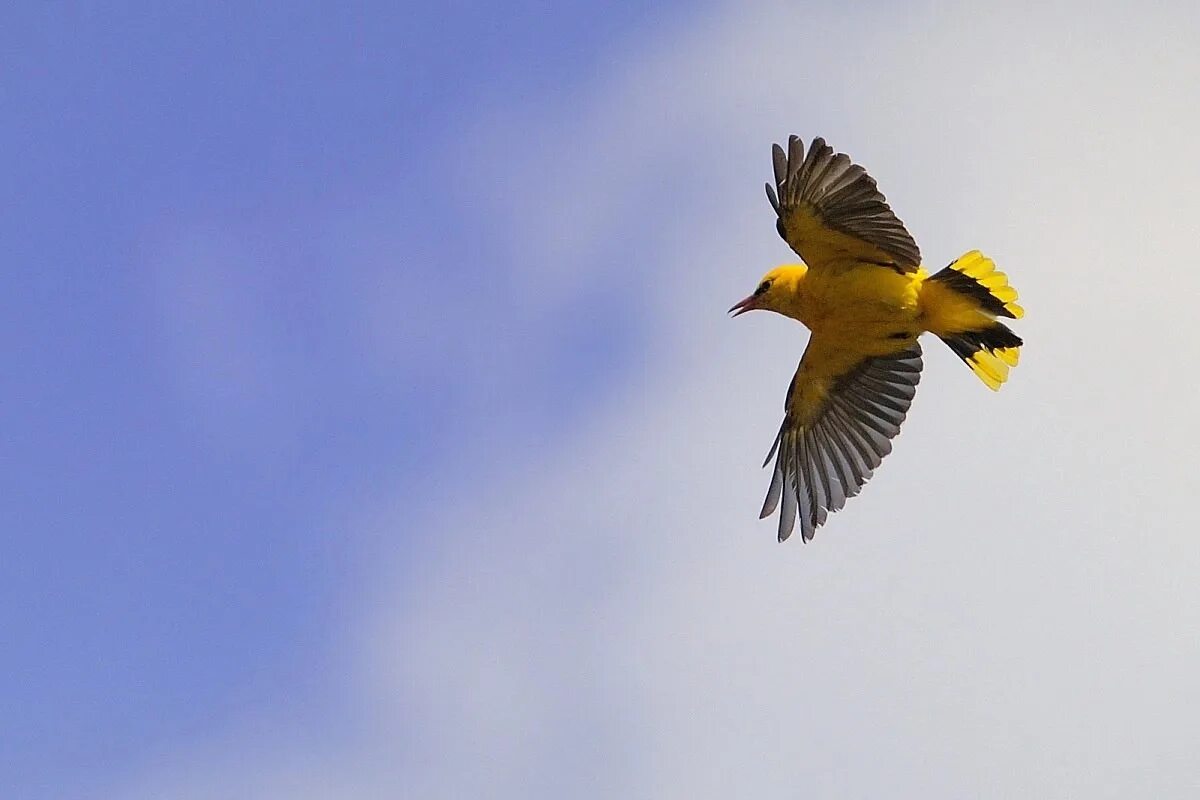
(742, 306)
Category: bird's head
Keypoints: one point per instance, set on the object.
(776, 291)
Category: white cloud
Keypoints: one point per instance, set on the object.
(1009, 608)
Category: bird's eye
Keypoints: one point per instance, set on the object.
(762, 288)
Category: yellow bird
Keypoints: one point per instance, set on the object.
(865, 298)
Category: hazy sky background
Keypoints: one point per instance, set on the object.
(374, 428)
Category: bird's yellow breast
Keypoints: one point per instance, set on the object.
(862, 302)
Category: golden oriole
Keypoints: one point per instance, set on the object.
(865, 298)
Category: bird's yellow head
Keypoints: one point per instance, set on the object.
(777, 291)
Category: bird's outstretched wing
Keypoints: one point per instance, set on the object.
(832, 214)
(841, 413)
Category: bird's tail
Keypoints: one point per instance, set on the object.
(961, 304)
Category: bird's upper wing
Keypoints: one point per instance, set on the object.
(832, 214)
(841, 413)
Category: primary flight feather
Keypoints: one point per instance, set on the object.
(865, 298)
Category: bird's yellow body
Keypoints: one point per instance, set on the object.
(866, 299)
(866, 302)
(865, 311)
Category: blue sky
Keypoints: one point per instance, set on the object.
(374, 429)
(199, 202)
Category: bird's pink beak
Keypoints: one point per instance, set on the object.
(742, 306)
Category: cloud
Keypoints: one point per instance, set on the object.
(1008, 609)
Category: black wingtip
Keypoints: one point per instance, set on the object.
(771, 196)
(779, 164)
(795, 156)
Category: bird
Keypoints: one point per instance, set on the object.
(866, 299)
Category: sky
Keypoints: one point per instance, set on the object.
(374, 427)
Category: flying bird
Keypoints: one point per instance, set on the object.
(865, 298)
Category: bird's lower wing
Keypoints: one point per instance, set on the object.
(840, 416)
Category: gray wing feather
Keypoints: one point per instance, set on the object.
(819, 467)
(843, 195)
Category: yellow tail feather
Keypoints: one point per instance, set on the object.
(992, 365)
(960, 304)
(978, 266)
